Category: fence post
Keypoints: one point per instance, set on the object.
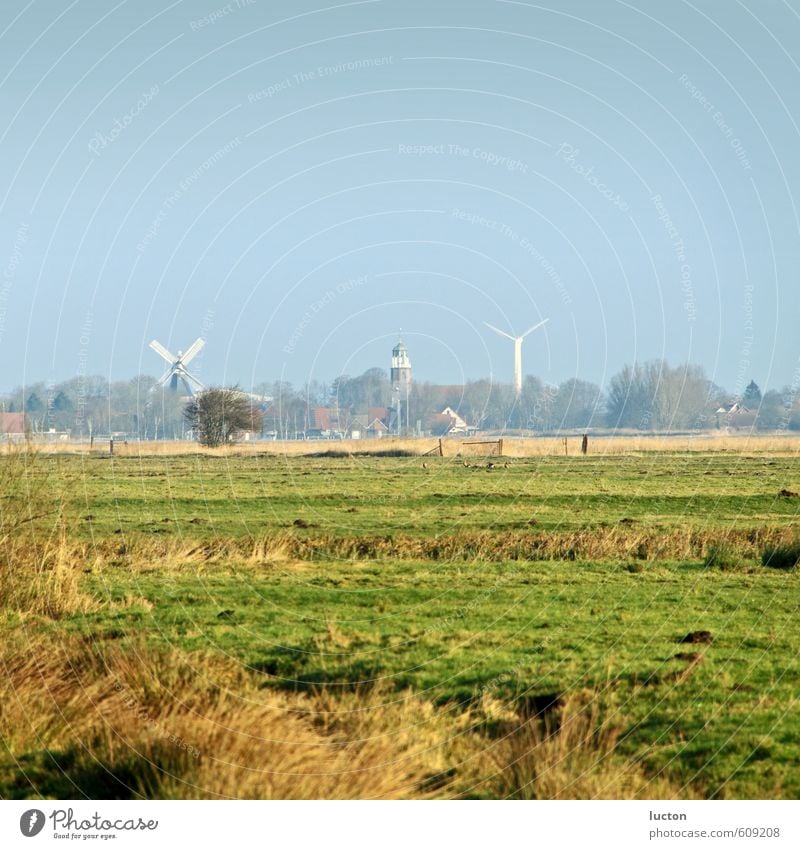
(500, 448)
(111, 446)
(585, 443)
(441, 452)
(566, 452)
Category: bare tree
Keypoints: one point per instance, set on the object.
(577, 404)
(220, 415)
(653, 396)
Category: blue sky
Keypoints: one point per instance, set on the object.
(296, 182)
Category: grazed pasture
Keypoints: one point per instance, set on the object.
(541, 626)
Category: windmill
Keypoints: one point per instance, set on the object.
(517, 340)
(177, 370)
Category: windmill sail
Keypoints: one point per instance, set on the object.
(177, 371)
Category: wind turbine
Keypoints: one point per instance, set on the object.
(177, 370)
(517, 340)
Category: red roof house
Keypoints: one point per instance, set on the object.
(12, 424)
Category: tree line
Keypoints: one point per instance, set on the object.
(644, 397)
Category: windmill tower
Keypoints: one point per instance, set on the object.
(177, 371)
(400, 377)
(517, 340)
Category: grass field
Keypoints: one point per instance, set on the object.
(262, 624)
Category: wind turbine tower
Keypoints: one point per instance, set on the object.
(517, 340)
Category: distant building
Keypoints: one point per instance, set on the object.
(377, 428)
(320, 418)
(728, 409)
(384, 414)
(400, 375)
(735, 416)
(400, 378)
(367, 425)
(358, 427)
(449, 423)
(13, 425)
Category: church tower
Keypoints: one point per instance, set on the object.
(401, 367)
(400, 377)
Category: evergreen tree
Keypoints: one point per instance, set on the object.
(62, 403)
(752, 396)
(33, 403)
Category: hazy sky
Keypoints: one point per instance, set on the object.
(297, 181)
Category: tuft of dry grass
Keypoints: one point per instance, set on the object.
(116, 721)
(182, 554)
(38, 570)
(723, 548)
(127, 723)
(572, 753)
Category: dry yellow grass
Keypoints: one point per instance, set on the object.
(287, 552)
(45, 579)
(130, 723)
(164, 725)
(744, 443)
(39, 572)
(571, 755)
(548, 446)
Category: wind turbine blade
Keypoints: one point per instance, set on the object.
(193, 350)
(162, 381)
(162, 351)
(497, 330)
(535, 327)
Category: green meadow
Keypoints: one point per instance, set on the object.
(642, 584)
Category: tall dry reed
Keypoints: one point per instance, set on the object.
(38, 570)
